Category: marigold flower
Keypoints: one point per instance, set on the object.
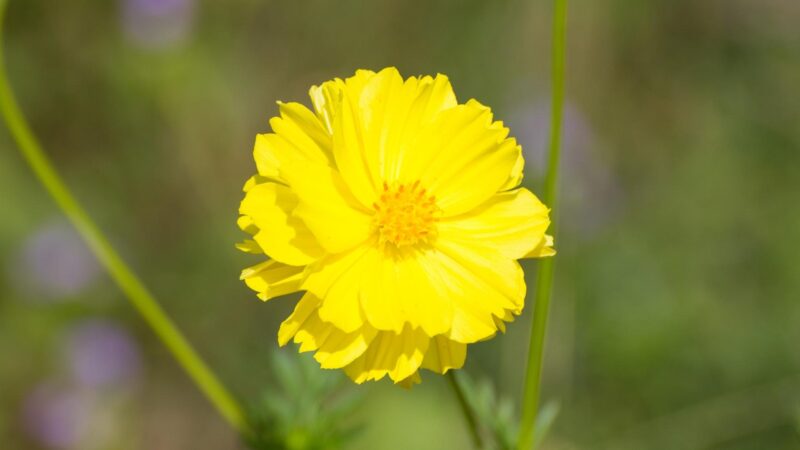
(398, 211)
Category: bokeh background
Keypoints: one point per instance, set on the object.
(676, 317)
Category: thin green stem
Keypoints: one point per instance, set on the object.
(125, 278)
(544, 278)
(469, 414)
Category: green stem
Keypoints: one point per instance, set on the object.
(544, 278)
(469, 415)
(127, 281)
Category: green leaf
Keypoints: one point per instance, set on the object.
(544, 422)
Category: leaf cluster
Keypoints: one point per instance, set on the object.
(305, 409)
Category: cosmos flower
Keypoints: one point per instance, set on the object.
(157, 24)
(61, 415)
(398, 211)
(55, 249)
(102, 353)
(55, 416)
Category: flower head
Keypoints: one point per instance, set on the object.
(57, 250)
(102, 353)
(398, 211)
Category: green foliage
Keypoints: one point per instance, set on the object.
(304, 409)
(497, 415)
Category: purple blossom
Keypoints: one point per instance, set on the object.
(55, 263)
(55, 416)
(157, 24)
(101, 353)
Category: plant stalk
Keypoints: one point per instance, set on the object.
(126, 279)
(544, 278)
(469, 414)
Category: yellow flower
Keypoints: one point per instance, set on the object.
(398, 211)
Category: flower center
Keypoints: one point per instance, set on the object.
(405, 214)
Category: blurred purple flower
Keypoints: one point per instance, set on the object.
(55, 416)
(590, 195)
(102, 353)
(157, 24)
(55, 263)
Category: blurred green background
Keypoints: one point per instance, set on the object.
(676, 320)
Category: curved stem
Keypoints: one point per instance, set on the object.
(544, 278)
(127, 281)
(469, 415)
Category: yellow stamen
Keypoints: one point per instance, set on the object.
(405, 214)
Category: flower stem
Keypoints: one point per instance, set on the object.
(127, 281)
(469, 415)
(544, 278)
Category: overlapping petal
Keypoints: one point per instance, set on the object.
(281, 234)
(327, 207)
(512, 222)
(462, 157)
(334, 348)
(396, 355)
(271, 279)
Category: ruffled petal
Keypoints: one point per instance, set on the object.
(393, 112)
(272, 278)
(462, 157)
(515, 178)
(479, 294)
(307, 306)
(282, 235)
(374, 119)
(334, 348)
(327, 98)
(543, 249)
(396, 355)
(410, 381)
(327, 208)
(297, 135)
(304, 131)
(250, 246)
(336, 279)
(512, 222)
(444, 354)
(355, 160)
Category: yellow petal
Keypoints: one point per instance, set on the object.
(444, 354)
(249, 246)
(462, 158)
(302, 311)
(515, 178)
(380, 292)
(327, 97)
(327, 208)
(410, 381)
(374, 118)
(479, 294)
(354, 160)
(265, 153)
(396, 355)
(304, 131)
(543, 249)
(393, 110)
(334, 348)
(297, 135)
(282, 235)
(272, 278)
(247, 225)
(427, 299)
(512, 222)
(508, 316)
(336, 279)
